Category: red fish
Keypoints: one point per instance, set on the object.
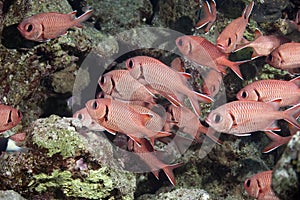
(187, 122)
(267, 90)
(116, 116)
(259, 186)
(147, 154)
(161, 78)
(9, 117)
(210, 14)
(205, 53)
(233, 33)
(285, 56)
(263, 45)
(243, 117)
(45, 26)
(121, 85)
(87, 121)
(212, 83)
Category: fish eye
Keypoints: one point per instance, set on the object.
(28, 27)
(244, 94)
(95, 105)
(217, 118)
(248, 182)
(229, 41)
(80, 117)
(102, 80)
(270, 57)
(130, 64)
(180, 42)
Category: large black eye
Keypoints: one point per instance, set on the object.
(244, 94)
(80, 117)
(248, 182)
(229, 41)
(270, 58)
(130, 64)
(180, 42)
(95, 105)
(29, 27)
(217, 118)
(102, 80)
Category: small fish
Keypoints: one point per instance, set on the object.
(259, 186)
(148, 155)
(262, 45)
(45, 26)
(121, 85)
(286, 56)
(205, 53)
(212, 83)
(210, 15)
(9, 117)
(116, 116)
(243, 117)
(268, 90)
(233, 33)
(169, 83)
(87, 121)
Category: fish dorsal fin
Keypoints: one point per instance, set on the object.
(247, 11)
(73, 14)
(185, 75)
(257, 33)
(296, 80)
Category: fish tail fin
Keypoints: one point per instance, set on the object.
(234, 66)
(83, 18)
(277, 141)
(169, 172)
(241, 46)
(156, 174)
(195, 97)
(247, 11)
(291, 114)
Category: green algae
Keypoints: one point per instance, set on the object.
(97, 185)
(56, 139)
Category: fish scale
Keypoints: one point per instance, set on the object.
(242, 117)
(268, 90)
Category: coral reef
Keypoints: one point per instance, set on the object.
(65, 164)
(287, 171)
(64, 161)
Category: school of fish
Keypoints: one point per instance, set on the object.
(128, 104)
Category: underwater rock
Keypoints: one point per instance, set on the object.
(64, 164)
(179, 15)
(10, 195)
(179, 193)
(286, 174)
(116, 16)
